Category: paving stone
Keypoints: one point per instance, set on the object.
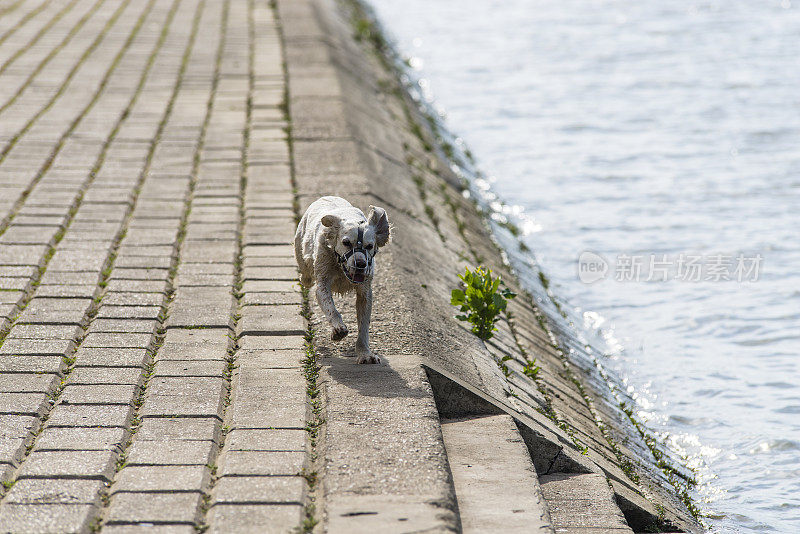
(179, 428)
(22, 254)
(51, 277)
(271, 320)
(45, 518)
(139, 274)
(12, 450)
(69, 464)
(106, 375)
(271, 359)
(258, 342)
(150, 527)
(204, 280)
(54, 491)
(143, 262)
(54, 313)
(208, 252)
(161, 478)
(127, 508)
(271, 273)
(271, 299)
(137, 286)
(39, 347)
(23, 403)
(269, 398)
(32, 331)
(129, 312)
(68, 291)
(261, 463)
(173, 452)
(188, 268)
(99, 394)
(119, 340)
(193, 352)
(272, 439)
(133, 299)
(68, 415)
(110, 357)
(17, 426)
(123, 326)
(73, 260)
(187, 405)
(18, 271)
(271, 251)
(27, 383)
(198, 335)
(81, 438)
(268, 519)
(190, 368)
(13, 364)
(257, 262)
(267, 490)
(272, 286)
(186, 386)
(202, 306)
(12, 299)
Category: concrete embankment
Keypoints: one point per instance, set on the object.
(160, 368)
(357, 134)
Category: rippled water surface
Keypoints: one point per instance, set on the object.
(642, 128)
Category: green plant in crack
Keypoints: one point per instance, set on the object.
(531, 370)
(481, 301)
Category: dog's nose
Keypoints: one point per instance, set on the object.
(360, 263)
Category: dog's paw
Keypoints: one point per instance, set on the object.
(368, 357)
(339, 333)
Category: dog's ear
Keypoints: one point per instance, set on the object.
(331, 221)
(377, 218)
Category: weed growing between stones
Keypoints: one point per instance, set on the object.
(481, 301)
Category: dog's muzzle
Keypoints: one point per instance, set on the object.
(359, 274)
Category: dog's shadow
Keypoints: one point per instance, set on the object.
(371, 380)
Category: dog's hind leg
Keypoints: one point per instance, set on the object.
(325, 299)
(363, 312)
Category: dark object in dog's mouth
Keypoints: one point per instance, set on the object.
(358, 276)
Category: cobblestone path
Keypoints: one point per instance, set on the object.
(150, 367)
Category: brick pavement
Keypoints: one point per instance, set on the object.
(150, 367)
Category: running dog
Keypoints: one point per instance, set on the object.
(335, 247)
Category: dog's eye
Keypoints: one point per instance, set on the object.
(346, 243)
(368, 247)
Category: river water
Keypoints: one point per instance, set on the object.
(652, 150)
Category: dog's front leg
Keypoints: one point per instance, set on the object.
(325, 299)
(363, 311)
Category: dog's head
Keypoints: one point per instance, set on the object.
(356, 242)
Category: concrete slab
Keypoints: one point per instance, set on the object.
(385, 462)
(582, 501)
(495, 481)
